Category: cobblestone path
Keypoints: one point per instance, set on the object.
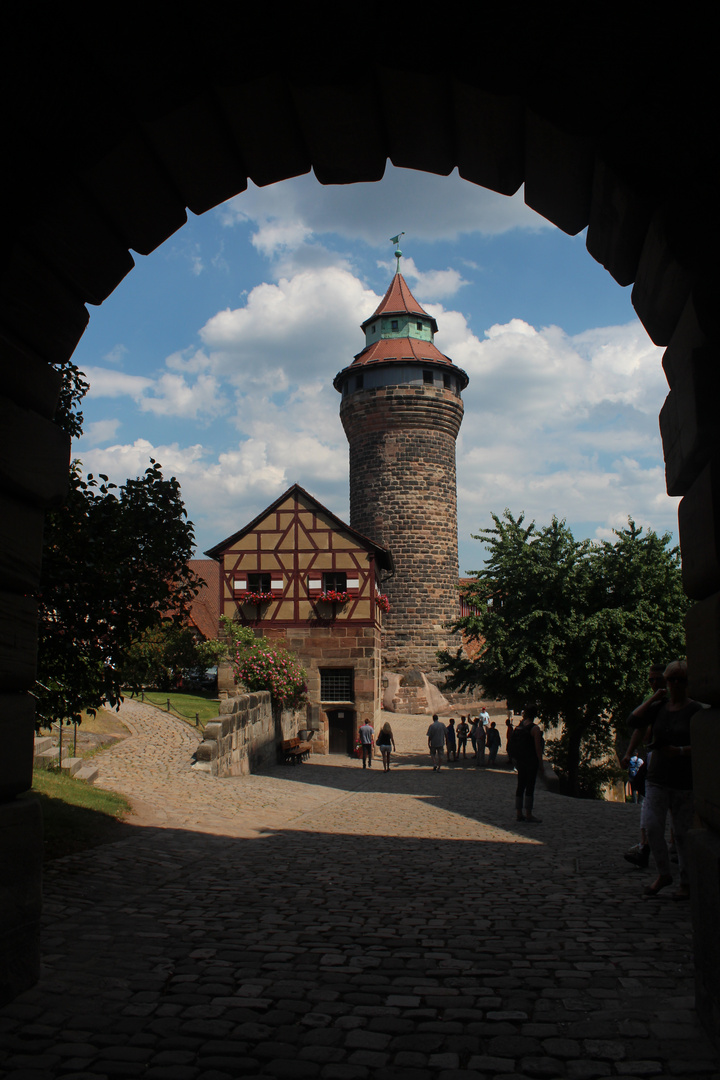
(325, 921)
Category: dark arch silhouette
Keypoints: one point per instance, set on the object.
(109, 135)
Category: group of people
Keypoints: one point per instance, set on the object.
(385, 744)
(524, 746)
(663, 777)
(662, 722)
(480, 731)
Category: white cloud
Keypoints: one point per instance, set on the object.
(560, 425)
(305, 325)
(174, 396)
(431, 284)
(428, 207)
(223, 491)
(275, 236)
(116, 355)
(168, 395)
(100, 431)
(107, 383)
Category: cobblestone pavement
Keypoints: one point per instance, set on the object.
(325, 921)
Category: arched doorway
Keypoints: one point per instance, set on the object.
(108, 143)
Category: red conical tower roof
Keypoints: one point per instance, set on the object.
(400, 331)
(399, 300)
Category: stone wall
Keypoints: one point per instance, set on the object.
(246, 735)
(341, 646)
(403, 495)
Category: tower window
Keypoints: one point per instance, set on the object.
(419, 325)
(428, 377)
(394, 324)
(447, 382)
(358, 382)
(336, 684)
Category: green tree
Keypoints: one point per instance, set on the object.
(115, 563)
(167, 653)
(571, 625)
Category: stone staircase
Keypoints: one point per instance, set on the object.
(47, 753)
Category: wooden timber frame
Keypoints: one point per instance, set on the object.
(294, 544)
(109, 139)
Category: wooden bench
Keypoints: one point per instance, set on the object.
(294, 750)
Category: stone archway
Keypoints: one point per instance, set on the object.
(110, 138)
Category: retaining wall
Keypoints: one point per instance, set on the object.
(246, 735)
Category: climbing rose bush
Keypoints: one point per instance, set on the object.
(267, 667)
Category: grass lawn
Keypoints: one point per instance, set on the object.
(186, 705)
(104, 722)
(76, 815)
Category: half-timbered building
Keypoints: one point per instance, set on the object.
(299, 574)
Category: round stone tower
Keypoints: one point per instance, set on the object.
(401, 410)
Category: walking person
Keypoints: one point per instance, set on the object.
(436, 742)
(385, 743)
(367, 740)
(493, 743)
(450, 742)
(526, 749)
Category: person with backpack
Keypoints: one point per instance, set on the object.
(526, 750)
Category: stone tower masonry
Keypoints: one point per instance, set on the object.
(401, 410)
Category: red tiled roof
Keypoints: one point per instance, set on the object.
(413, 349)
(205, 608)
(397, 300)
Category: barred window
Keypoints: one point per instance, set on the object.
(336, 684)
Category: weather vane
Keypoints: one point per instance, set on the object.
(398, 253)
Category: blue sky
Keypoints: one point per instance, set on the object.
(216, 356)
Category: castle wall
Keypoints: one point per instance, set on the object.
(403, 496)
(246, 735)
